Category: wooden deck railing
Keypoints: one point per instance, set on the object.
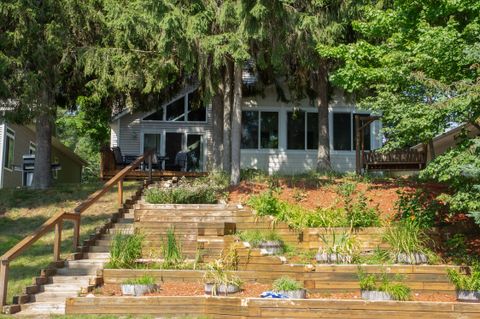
(56, 222)
(395, 159)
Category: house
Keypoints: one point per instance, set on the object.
(449, 139)
(275, 137)
(19, 140)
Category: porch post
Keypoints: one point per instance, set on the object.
(150, 168)
(120, 192)
(58, 240)
(3, 283)
(358, 161)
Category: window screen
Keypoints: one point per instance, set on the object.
(269, 130)
(249, 129)
(296, 130)
(342, 131)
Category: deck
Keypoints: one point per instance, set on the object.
(401, 160)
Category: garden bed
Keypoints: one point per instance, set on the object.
(235, 307)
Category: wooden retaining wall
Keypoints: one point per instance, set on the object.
(316, 278)
(231, 307)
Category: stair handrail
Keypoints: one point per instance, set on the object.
(56, 222)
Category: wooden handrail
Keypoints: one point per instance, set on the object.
(56, 221)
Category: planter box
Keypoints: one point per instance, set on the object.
(294, 294)
(138, 290)
(329, 258)
(221, 289)
(375, 295)
(413, 259)
(468, 295)
(272, 247)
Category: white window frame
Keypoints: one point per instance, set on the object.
(32, 148)
(9, 133)
(259, 133)
(185, 111)
(352, 112)
(184, 132)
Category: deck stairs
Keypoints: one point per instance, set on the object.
(72, 278)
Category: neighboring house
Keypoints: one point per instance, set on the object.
(275, 138)
(17, 141)
(447, 140)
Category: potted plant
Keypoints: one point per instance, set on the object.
(336, 248)
(408, 243)
(467, 285)
(139, 286)
(289, 287)
(381, 287)
(269, 241)
(218, 280)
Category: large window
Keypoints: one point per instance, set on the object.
(189, 108)
(9, 149)
(344, 132)
(152, 141)
(259, 130)
(302, 130)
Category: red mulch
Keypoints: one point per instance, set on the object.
(381, 194)
(253, 290)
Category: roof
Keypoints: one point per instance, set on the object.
(62, 148)
(449, 133)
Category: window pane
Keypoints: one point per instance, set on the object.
(296, 130)
(196, 108)
(152, 141)
(194, 159)
(312, 131)
(342, 134)
(269, 130)
(10, 149)
(176, 110)
(366, 135)
(157, 116)
(249, 129)
(173, 145)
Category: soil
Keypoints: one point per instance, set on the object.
(253, 290)
(379, 193)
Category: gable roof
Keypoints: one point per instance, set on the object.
(59, 146)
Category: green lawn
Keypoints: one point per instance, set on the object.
(24, 210)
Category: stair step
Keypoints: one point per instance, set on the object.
(64, 287)
(77, 271)
(124, 221)
(130, 214)
(70, 279)
(103, 242)
(54, 296)
(99, 249)
(96, 256)
(42, 308)
(84, 263)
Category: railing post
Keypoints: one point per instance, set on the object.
(120, 192)
(150, 168)
(3, 283)
(57, 244)
(76, 233)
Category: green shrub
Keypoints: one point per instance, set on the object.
(286, 283)
(144, 280)
(125, 250)
(359, 214)
(417, 206)
(406, 237)
(343, 245)
(382, 282)
(466, 281)
(182, 195)
(256, 237)
(172, 251)
(265, 204)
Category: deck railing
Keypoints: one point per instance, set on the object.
(56, 223)
(399, 158)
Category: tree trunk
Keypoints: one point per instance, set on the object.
(227, 116)
(217, 134)
(320, 85)
(236, 124)
(42, 175)
(431, 148)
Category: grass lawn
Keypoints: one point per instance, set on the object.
(23, 210)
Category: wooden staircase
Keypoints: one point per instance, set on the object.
(75, 277)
